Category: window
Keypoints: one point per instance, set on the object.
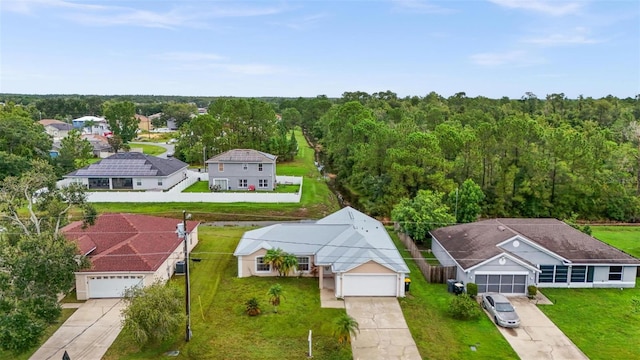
(259, 167)
(561, 274)
(159, 182)
(220, 167)
(261, 266)
(303, 263)
(546, 276)
(263, 183)
(615, 272)
(138, 182)
(578, 273)
(245, 166)
(242, 183)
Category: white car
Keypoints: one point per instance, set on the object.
(499, 307)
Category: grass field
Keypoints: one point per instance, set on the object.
(437, 335)
(601, 322)
(625, 238)
(221, 329)
(149, 149)
(203, 187)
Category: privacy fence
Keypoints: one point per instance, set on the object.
(433, 273)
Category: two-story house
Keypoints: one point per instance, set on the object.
(57, 129)
(242, 169)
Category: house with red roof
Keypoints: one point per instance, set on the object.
(127, 250)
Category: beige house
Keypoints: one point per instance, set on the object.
(127, 250)
(57, 129)
(348, 251)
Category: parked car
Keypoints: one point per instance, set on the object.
(498, 306)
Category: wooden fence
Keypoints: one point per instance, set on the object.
(433, 273)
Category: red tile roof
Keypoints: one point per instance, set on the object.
(127, 242)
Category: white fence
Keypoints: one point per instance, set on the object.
(175, 194)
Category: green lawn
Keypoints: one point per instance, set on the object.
(437, 335)
(599, 321)
(203, 187)
(625, 238)
(221, 329)
(66, 313)
(149, 149)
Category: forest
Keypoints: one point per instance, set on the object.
(532, 157)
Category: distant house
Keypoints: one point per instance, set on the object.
(242, 169)
(507, 255)
(92, 125)
(100, 144)
(127, 250)
(350, 253)
(57, 129)
(144, 123)
(131, 171)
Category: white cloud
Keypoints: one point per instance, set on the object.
(304, 22)
(420, 6)
(510, 58)
(190, 56)
(577, 36)
(554, 8)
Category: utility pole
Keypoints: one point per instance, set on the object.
(186, 277)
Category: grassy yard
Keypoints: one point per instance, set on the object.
(66, 313)
(437, 335)
(221, 329)
(149, 149)
(625, 238)
(316, 202)
(600, 322)
(203, 186)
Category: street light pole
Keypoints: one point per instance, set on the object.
(186, 278)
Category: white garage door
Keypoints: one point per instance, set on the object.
(112, 286)
(502, 283)
(369, 285)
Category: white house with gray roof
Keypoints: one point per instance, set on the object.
(131, 171)
(242, 169)
(348, 251)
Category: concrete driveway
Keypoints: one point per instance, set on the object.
(538, 337)
(384, 334)
(87, 334)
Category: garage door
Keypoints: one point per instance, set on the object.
(502, 283)
(112, 286)
(369, 285)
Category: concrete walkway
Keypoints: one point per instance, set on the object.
(384, 334)
(538, 338)
(87, 334)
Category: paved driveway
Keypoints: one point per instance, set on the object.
(538, 338)
(87, 334)
(384, 334)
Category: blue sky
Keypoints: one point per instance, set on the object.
(492, 48)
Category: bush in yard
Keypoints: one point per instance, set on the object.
(154, 313)
(472, 290)
(344, 328)
(253, 307)
(532, 290)
(464, 308)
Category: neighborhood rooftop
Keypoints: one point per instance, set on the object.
(131, 164)
(243, 155)
(472, 243)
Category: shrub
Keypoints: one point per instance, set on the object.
(472, 290)
(464, 308)
(253, 307)
(532, 290)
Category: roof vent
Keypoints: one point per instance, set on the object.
(501, 228)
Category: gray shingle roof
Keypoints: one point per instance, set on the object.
(131, 164)
(344, 240)
(243, 156)
(472, 243)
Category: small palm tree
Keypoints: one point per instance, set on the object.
(253, 307)
(289, 262)
(275, 294)
(275, 258)
(344, 327)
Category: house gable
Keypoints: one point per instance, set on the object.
(370, 267)
(530, 251)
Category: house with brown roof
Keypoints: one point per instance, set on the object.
(507, 255)
(57, 129)
(127, 250)
(242, 169)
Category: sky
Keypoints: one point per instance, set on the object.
(491, 48)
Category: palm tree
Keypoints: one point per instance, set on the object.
(253, 307)
(275, 258)
(289, 262)
(344, 327)
(275, 294)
